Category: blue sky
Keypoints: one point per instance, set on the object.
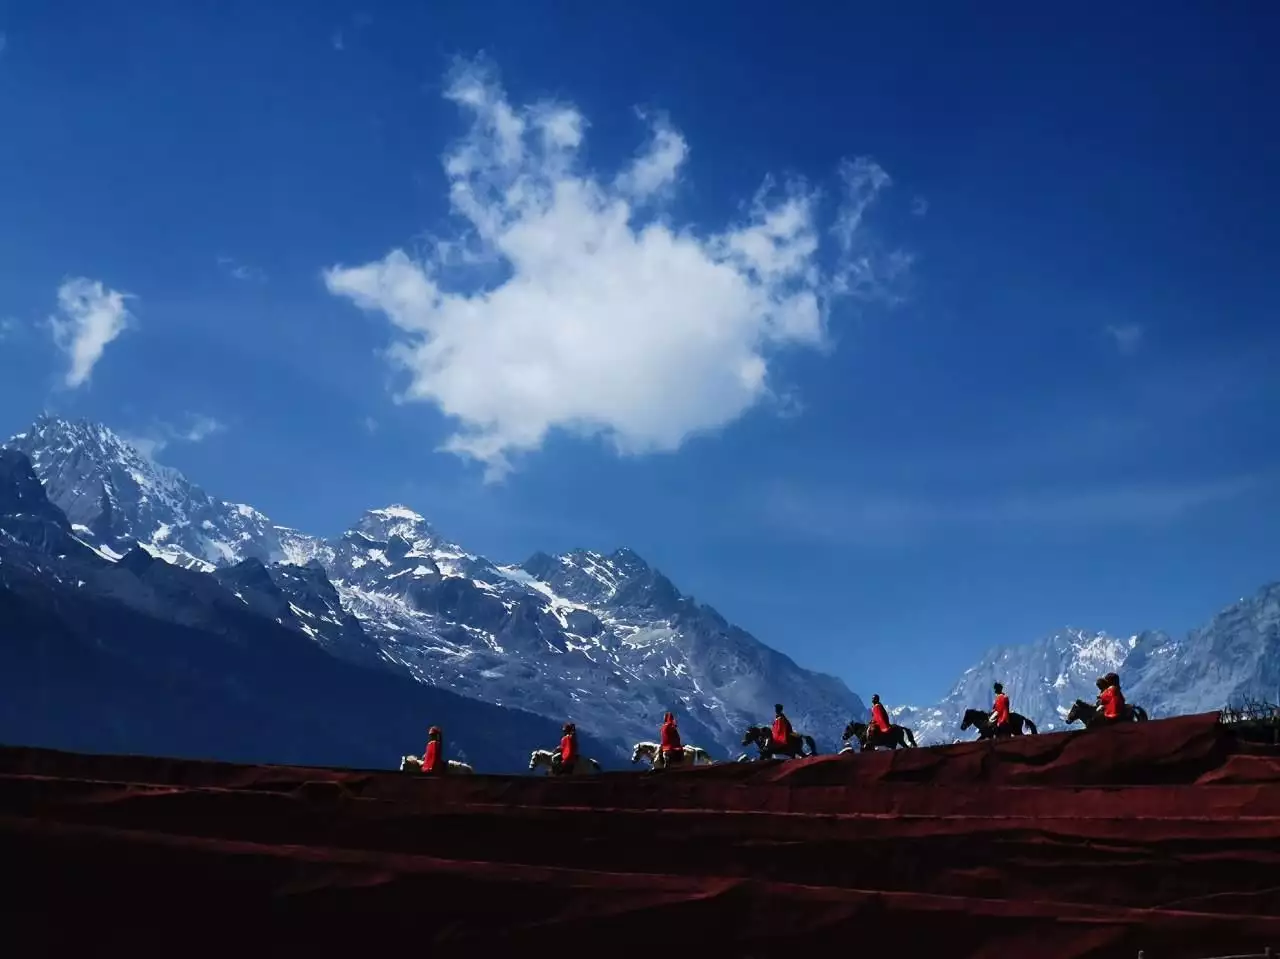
(994, 355)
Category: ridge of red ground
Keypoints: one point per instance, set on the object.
(1161, 836)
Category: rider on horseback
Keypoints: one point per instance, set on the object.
(1110, 699)
(433, 756)
(1000, 709)
(669, 742)
(565, 758)
(880, 725)
(782, 731)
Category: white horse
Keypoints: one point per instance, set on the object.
(542, 757)
(413, 764)
(693, 755)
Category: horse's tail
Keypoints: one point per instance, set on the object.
(808, 741)
(594, 765)
(911, 737)
(1030, 725)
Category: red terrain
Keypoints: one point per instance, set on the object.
(1160, 836)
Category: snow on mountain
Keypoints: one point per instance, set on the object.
(606, 640)
(114, 496)
(1042, 680)
(1231, 660)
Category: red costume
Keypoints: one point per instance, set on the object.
(669, 735)
(1112, 702)
(1001, 709)
(880, 718)
(781, 730)
(433, 756)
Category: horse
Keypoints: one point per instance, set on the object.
(542, 757)
(897, 736)
(986, 729)
(414, 764)
(693, 755)
(1090, 714)
(762, 738)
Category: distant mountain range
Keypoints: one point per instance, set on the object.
(1233, 659)
(603, 639)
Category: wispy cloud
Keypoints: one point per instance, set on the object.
(1127, 337)
(8, 327)
(198, 428)
(610, 322)
(89, 317)
(919, 206)
(857, 517)
(241, 271)
(337, 41)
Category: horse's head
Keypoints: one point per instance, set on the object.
(1079, 709)
(752, 735)
(854, 731)
(533, 759)
(641, 751)
(972, 717)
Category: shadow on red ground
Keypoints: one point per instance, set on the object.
(1161, 836)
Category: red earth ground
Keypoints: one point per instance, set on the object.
(1161, 836)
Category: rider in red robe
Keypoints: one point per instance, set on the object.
(1000, 709)
(782, 731)
(1110, 699)
(880, 725)
(433, 760)
(669, 741)
(568, 752)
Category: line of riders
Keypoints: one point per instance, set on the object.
(780, 739)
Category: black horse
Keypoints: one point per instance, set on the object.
(762, 738)
(1091, 715)
(897, 736)
(987, 729)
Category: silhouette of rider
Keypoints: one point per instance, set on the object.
(782, 733)
(565, 759)
(1000, 709)
(670, 747)
(1111, 705)
(433, 760)
(880, 725)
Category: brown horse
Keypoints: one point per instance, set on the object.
(762, 738)
(896, 737)
(1091, 715)
(987, 729)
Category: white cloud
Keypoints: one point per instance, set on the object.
(198, 429)
(241, 271)
(1127, 337)
(91, 317)
(919, 206)
(606, 323)
(8, 327)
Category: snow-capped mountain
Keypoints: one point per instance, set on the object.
(1235, 658)
(115, 496)
(606, 640)
(137, 655)
(1042, 679)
